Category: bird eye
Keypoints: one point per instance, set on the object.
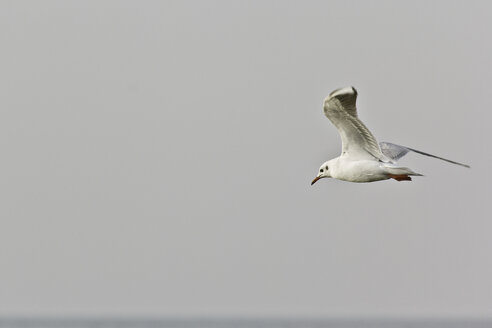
(321, 170)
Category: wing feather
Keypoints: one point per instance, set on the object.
(357, 140)
(395, 152)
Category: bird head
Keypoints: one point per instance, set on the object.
(324, 172)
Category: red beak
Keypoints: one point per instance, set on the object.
(315, 179)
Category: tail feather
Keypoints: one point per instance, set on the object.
(395, 170)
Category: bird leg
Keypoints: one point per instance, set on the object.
(400, 177)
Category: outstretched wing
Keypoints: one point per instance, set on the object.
(395, 152)
(357, 141)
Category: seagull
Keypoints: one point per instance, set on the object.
(362, 158)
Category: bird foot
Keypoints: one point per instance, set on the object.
(400, 177)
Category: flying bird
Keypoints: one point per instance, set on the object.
(362, 158)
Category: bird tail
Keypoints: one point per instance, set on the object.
(397, 170)
(400, 173)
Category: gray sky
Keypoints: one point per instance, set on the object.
(157, 158)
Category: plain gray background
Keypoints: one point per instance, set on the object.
(156, 158)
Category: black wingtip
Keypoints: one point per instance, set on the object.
(355, 91)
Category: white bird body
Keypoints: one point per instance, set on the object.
(363, 159)
(357, 171)
(365, 170)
